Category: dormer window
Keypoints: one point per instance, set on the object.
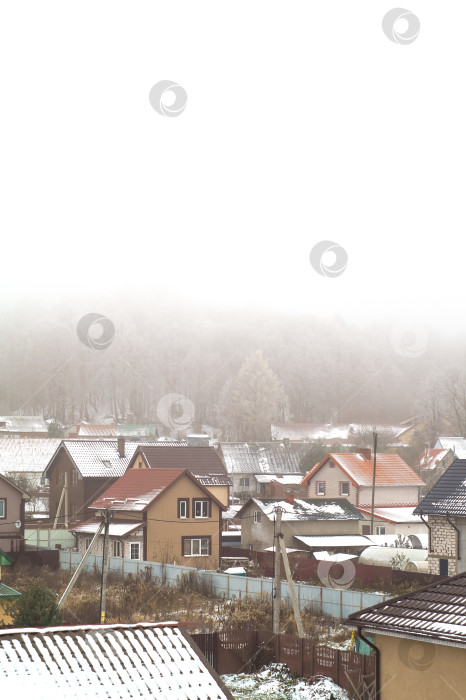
(107, 463)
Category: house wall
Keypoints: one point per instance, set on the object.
(8, 532)
(393, 528)
(4, 618)
(260, 535)
(165, 530)
(420, 670)
(97, 549)
(254, 489)
(389, 496)
(444, 543)
(80, 495)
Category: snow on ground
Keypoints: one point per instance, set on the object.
(276, 683)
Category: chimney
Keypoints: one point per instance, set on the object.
(121, 445)
(286, 442)
(366, 452)
(289, 498)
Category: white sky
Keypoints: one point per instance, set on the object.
(304, 123)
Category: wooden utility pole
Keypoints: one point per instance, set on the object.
(80, 567)
(103, 588)
(373, 481)
(297, 612)
(277, 583)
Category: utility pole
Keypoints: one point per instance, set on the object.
(80, 567)
(277, 583)
(294, 602)
(374, 434)
(103, 587)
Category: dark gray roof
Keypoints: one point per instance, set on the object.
(203, 462)
(307, 508)
(448, 495)
(437, 611)
(262, 457)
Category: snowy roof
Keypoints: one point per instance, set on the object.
(332, 541)
(106, 661)
(430, 458)
(448, 494)
(327, 432)
(391, 470)
(457, 444)
(115, 529)
(325, 556)
(262, 457)
(437, 611)
(307, 508)
(23, 424)
(26, 454)
(285, 479)
(395, 514)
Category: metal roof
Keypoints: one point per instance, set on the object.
(26, 454)
(203, 462)
(308, 508)
(391, 470)
(262, 457)
(437, 611)
(106, 661)
(23, 424)
(115, 529)
(8, 593)
(448, 494)
(394, 514)
(457, 444)
(332, 541)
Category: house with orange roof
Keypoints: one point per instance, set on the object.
(161, 515)
(349, 475)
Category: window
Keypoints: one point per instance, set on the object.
(366, 529)
(74, 477)
(257, 516)
(183, 508)
(61, 478)
(344, 488)
(74, 510)
(2, 507)
(244, 482)
(135, 550)
(87, 542)
(201, 509)
(443, 567)
(116, 548)
(380, 529)
(196, 546)
(320, 486)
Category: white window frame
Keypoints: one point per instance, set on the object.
(198, 540)
(344, 484)
(2, 508)
(204, 502)
(257, 516)
(378, 528)
(116, 544)
(183, 504)
(319, 492)
(134, 544)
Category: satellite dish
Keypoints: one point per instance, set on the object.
(18, 524)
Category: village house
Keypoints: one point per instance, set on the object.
(397, 520)
(92, 431)
(23, 427)
(445, 508)
(432, 464)
(349, 475)
(311, 516)
(147, 659)
(419, 640)
(251, 466)
(454, 443)
(12, 515)
(162, 515)
(202, 461)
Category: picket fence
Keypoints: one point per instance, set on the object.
(331, 601)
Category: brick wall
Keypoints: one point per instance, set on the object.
(443, 540)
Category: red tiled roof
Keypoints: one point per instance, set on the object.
(138, 488)
(391, 470)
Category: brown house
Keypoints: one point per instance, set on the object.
(12, 507)
(163, 515)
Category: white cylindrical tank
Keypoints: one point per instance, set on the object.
(381, 556)
(421, 567)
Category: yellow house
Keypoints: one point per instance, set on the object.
(419, 640)
(162, 515)
(6, 593)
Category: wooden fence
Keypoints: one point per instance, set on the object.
(242, 651)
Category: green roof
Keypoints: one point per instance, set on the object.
(4, 559)
(7, 592)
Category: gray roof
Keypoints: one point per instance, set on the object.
(457, 444)
(23, 424)
(448, 494)
(106, 661)
(307, 508)
(90, 456)
(437, 611)
(262, 457)
(26, 454)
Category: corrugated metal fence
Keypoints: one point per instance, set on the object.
(335, 602)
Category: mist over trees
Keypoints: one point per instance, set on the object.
(241, 369)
